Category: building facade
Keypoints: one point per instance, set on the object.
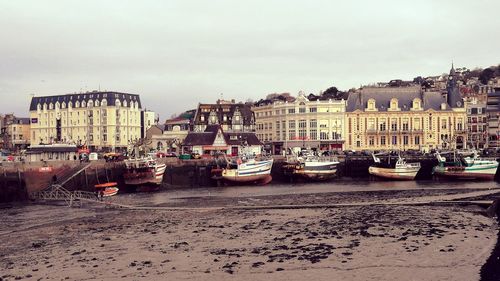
(477, 125)
(403, 118)
(214, 140)
(231, 116)
(99, 120)
(493, 111)
(15, 132)
(302, 123)
(148, 119)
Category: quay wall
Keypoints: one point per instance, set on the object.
(15, 177)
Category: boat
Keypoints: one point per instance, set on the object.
(465, 167)
(143, 171)
(312, 167)
(399, 171)
(244, 170)
(107, 189)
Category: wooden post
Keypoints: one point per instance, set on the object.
(86, 179)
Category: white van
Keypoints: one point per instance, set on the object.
(93, 156)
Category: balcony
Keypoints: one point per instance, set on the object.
(371, 131)
(417, 131)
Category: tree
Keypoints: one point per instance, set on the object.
(486, 75)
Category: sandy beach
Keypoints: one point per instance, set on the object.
(347, 243)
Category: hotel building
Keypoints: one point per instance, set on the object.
(99, 120)
(313, 123)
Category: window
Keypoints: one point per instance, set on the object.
(302, 110)
(277, 125)
(371, 104)
(394, 140)
(443, 124)
(406, 126)
(358, 144)
(405, 140)
(416, 104)
(302, 134)
(371, 124)
(291, 135)
(371, 141)
(313, 109)
(291, 110)
(382, 140)
(313, 134)
(417, 140)
(383, 126)
(313, 123)
(302, 124)
(323, 135)
(291, 124)
(394, 104)
(394, 124)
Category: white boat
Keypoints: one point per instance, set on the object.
(400, 171)
(248, 171)
(314, 167)
(466, 168)
(143, 171)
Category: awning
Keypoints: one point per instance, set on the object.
(211, 147)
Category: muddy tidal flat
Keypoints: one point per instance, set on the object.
(39, 242)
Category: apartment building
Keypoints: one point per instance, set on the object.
(100, 120)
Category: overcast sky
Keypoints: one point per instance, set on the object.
(178, 53)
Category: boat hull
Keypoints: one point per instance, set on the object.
(394, 173)
(154, 176)
(259, 171)
(315, 170)
(469, 173)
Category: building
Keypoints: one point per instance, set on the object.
(54, 152)
(231, 116)
(477, 125)
(308, 122)
(15, 132)
(493, 111)
(104, 121)
(168, 137)
(402, 118)
(148, 119)
(214, 140)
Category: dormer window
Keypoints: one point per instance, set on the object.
(371, 105)
(63, 105)
(51, 106)
(417, 104)
(443, 106)
(394, 106)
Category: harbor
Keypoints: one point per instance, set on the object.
(246, 232)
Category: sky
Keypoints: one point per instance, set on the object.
(176, 54)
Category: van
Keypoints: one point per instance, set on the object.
(93, 156)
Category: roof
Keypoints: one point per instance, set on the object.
(405, 95)
(208, 137)
(22, 120)
(51, 148)
(95, 95)
(219, 109)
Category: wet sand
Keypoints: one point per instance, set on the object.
(348, 243)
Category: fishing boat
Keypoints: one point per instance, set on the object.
(143, 171)
(471, 167)
(312, 167)
(244, 170)
(399, 171)
(107, 189)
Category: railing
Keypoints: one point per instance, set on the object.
(57, 192)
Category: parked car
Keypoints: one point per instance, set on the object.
(93, 156)
(170, 154)
(195, 155)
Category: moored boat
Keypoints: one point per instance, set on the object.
(107, 189)
(248, 171)
(143, 171)
(466, 167)
(313, 167)
(399, 171)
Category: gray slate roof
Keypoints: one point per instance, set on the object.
(95, 95)
(405, 96)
